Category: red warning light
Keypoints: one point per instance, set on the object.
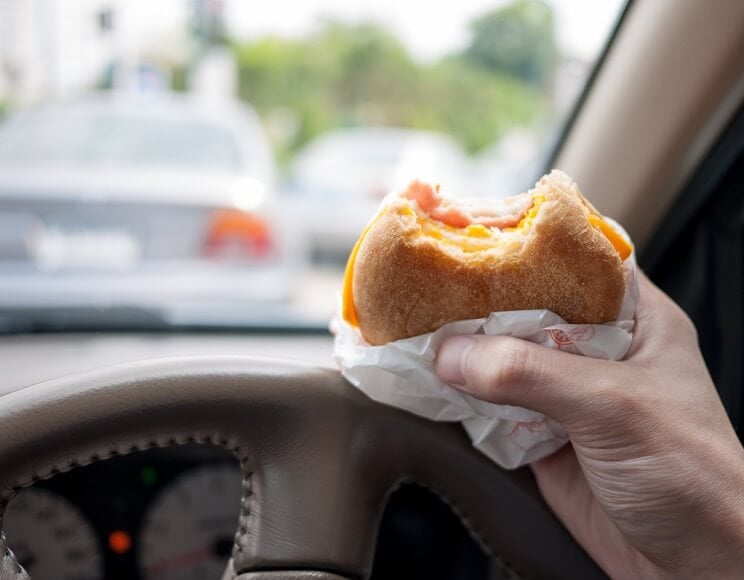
(120, 542)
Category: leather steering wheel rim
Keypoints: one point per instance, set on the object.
(318, 461)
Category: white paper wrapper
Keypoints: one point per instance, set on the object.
(401, 373)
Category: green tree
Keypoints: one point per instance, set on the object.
(350, 75)
(474, 105)
(517, 39)
(342, 75)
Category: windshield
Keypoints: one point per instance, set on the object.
(208, 164)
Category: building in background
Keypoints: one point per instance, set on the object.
(54, 48)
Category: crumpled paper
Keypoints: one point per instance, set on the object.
(401, 373)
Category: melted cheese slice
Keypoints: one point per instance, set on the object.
(348, 311)
(472, 238)
(529, 217)
(623, 248)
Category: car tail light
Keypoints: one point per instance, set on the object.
(238, 234)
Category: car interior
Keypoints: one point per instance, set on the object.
(217, 450)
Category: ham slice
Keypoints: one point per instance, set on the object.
(499, 214)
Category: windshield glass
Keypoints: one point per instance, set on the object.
(188, 163)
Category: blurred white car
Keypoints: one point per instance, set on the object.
(509, 166)
(339, 179)
(164, 201)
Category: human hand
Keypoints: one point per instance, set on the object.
(652, 484)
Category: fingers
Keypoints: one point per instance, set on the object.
(565, 386)
(511, 371)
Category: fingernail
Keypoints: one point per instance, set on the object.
(449, 364)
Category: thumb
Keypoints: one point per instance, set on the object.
(512, 371)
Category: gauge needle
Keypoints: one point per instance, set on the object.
(182, 560)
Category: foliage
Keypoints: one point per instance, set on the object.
(517, 39)
(474, 106)
(346, 75)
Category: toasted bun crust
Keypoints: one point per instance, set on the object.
(406, 283)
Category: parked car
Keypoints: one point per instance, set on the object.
(508, 166)
(341, 177)
(164, 201)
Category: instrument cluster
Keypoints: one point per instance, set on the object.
(161, 514)
(171, 514)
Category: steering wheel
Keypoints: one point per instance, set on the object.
(318, 460)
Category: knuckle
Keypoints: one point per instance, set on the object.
(624, 401)
(501, 369)
(514, 365)
(680, 324)
(672, 327)
(687, 326)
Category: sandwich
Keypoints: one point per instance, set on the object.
(425, 260)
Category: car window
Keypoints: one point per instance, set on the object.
(118, 140)
(182, 163)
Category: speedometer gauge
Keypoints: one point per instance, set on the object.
(51, 538)
(188, 532)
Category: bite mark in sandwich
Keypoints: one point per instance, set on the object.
(425, 260)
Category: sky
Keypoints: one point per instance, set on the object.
(430, 28)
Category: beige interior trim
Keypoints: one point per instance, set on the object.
(671, 81)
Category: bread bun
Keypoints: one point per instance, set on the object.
(425, 261)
